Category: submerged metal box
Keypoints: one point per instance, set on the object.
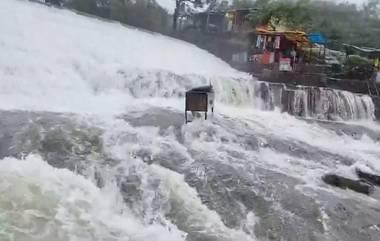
(199, 99)
(196, 101)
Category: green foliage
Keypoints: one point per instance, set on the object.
(243, 3)
(141, 13)
(346, 23)
(358, 67)
(355, 60)
(291, 14)
(87, 6)
(340, 23)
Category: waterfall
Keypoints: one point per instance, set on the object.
(93, 145)
(314, 102)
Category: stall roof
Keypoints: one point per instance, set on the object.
(294, 36)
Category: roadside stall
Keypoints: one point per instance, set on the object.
(282, 48)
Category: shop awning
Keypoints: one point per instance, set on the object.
(293, 36)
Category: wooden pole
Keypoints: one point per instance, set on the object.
(176, 14)
(310, 54)
(208, 20)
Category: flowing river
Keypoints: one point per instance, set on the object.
(93, 144)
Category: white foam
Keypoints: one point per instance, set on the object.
(285, 127)
(39, 202)
(54, 59)
(178, 199)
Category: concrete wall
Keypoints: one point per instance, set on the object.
(314, 79)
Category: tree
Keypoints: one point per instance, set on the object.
(176, 13)
(243, 3)
(346, 23)
(87, 6)
(295, 15)
(145, 14)
(339, 22)
(180, 10)
(372, 8)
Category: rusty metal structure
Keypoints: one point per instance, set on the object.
(200, 99)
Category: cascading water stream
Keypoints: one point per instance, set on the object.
(314, 102)
(93, 144)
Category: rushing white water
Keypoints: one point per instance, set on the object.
(247, 174)
(110, 65)
(39, 202)
(313, 102)
(52, 59)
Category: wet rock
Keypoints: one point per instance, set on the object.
(100, 182)
(374, 179)
(158, 117)
(345, 183)
(60, 140)
(376, 102)
(315, 102)
(349, 129)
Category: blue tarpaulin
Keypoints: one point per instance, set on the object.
(316, 38)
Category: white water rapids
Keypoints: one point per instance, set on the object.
(93, 144)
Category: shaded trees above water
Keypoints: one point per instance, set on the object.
(339, 22)
(145, 14)
(342, 22)
(347, 23)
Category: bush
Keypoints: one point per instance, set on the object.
(142, 13)
(357, 67)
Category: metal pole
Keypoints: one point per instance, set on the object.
(208, 20)
(310, 54)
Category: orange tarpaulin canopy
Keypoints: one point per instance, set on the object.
(293, 36)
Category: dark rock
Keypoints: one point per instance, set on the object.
(374, 179)
(59, 140)
(315, 102)
(376, 102)
(345, 183)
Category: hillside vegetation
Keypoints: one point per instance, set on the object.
(339, 22)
